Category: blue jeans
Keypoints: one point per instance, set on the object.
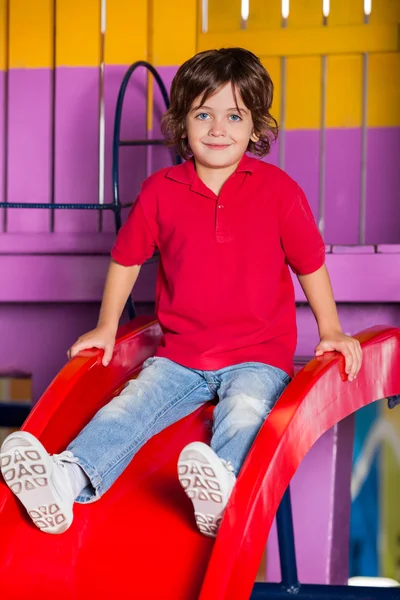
(165, 392)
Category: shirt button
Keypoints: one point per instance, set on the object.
(220, 206)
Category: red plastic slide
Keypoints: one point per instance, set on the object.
(140, 541)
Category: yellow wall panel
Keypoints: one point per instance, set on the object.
(3, 34)
(224, 15)
(173, 39)
(305, 13)
(385, 11)
(303, 93)
(344, 91)
(126, 32)
(346, 12)
(78, 33)
(297, 41)
(31, 31)
(273, 66)
(383, 103)
(264, 15)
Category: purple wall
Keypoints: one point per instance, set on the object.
(36, 336)
(342, 186)
(320, 492)
(76, 147)
(59, 161)
(29, 150)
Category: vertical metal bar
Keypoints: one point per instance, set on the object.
(285, 12)
(204, 16)
(53, 118)
(287, 551)
(364, 152)
(101, 112)
(5, 115)
(282, 124)
(245, 10)
(322, 149)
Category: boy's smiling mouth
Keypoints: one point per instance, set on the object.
(217, 146)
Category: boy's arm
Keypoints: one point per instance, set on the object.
(135, 243)
(119, 283)
(318, 290)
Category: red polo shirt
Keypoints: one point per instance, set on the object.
(224, 292)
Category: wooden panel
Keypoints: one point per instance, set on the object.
(343, 12)
(273, 66)
(31, 33)
(173, 40)
(76, 147)
(355, 278)
(78, 33)
(29, 147)
(384, 90)
(264, 15)
(302, 162)
(342, 185)
(76, 124)
(383, 183)
(3, 34)
(344, 91)
(303, 93)
(62, 243)
(305, 13)
(126, 32)
(224, 15)
(293, 41)
(385, 11)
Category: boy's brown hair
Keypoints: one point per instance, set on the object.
(203, 75)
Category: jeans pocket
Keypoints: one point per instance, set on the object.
(283, 376)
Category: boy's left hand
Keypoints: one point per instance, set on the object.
(348, 346)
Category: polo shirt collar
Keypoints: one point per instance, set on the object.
(186, 172)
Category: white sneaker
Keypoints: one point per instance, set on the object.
(208, 481)
(41, 482)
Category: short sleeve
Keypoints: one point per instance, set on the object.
(301, 240)
(137, 238)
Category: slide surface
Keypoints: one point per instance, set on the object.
(140, 540)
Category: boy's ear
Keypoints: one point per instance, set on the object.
(254, 137)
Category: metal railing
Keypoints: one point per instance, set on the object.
(115, 206)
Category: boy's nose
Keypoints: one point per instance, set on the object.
(217, 130)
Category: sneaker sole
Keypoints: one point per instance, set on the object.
(27, 470)
(200, 482)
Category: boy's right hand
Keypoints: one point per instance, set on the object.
(101, 337)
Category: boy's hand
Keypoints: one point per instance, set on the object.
(101, 337)
(348, 346)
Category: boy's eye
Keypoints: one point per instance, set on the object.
(235, 118)
(202, 116)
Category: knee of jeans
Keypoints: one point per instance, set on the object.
(117, 407)
(242, 411)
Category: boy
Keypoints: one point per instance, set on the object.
(226, 226)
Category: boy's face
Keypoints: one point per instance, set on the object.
(218, 133)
